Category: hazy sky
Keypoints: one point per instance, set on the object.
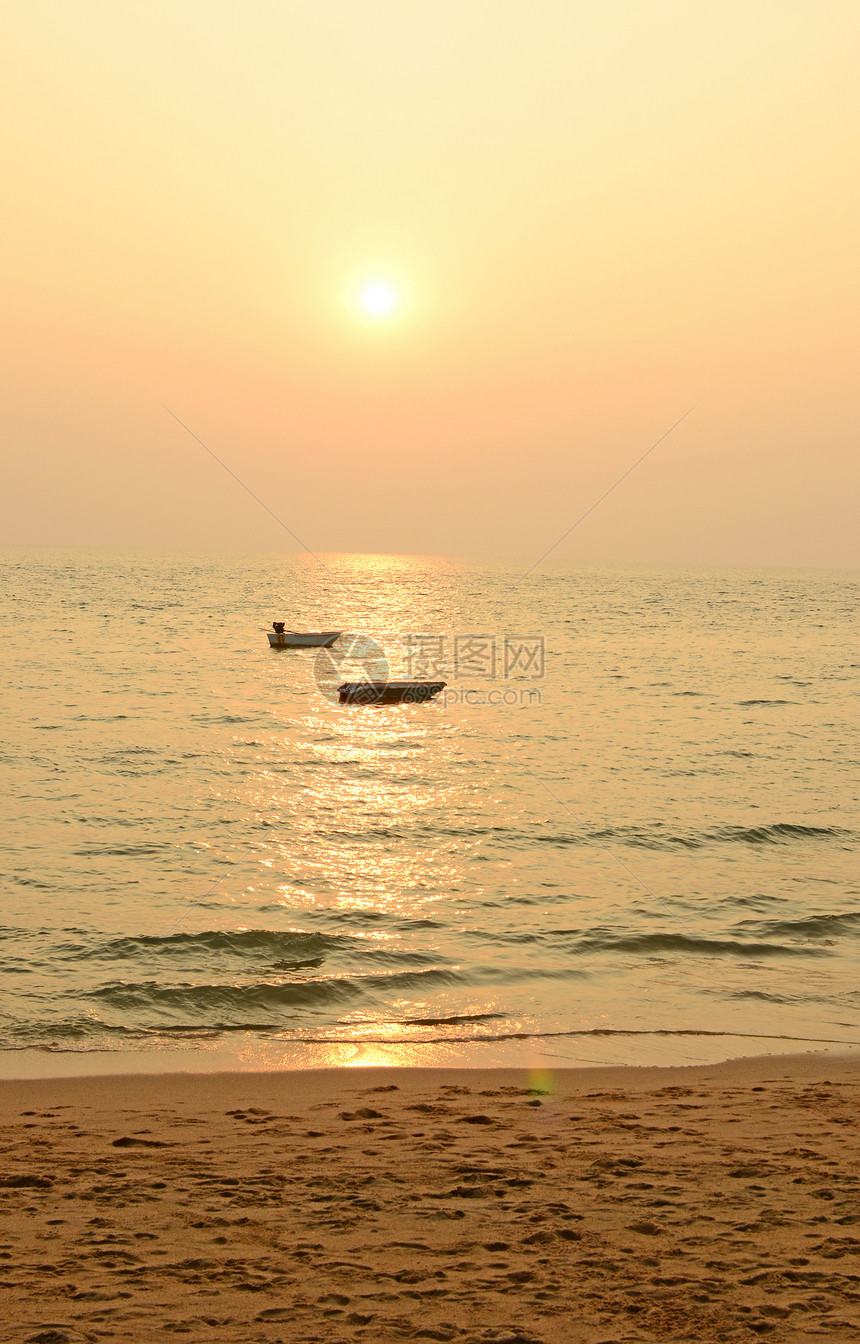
(590, 216)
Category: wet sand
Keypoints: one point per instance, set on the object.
(715, 1203)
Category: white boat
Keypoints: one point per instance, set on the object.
(294, 639)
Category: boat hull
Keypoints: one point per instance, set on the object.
(388, 692)
(292, 639)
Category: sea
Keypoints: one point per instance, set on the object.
(626, 832)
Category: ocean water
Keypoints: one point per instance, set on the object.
(628, 833)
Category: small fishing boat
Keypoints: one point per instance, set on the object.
(279, 638)
(388, 692)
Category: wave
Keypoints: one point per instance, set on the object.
(278, 950)
(387, 1039)
(255, 955)
(584, 1032)
(746, 704)
(458, 1019)
(253, 1007)
(650, 944)
(762, 996)
(811, 926)
(236, 1002)
(778, 832)
(651, 836)
(654, 837)
(144, 849)
(239, 942)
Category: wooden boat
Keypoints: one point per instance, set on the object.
(293, 639)
(388, 692)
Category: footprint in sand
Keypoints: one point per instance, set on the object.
(128, 1142)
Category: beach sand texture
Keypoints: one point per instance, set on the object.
(710, 1203)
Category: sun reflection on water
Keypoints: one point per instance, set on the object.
(366, 829)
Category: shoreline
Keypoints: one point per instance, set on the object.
(612, 1049)
(752, 1069)
(628, 1204)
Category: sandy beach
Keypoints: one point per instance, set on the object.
(707, 1203)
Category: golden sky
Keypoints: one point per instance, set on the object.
(589, 217)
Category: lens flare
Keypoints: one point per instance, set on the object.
(542, 1082)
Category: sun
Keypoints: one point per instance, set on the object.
(378, 298)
